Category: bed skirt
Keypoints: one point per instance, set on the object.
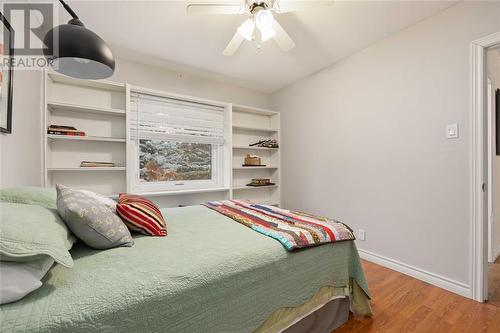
(326, 319)
(325, 311)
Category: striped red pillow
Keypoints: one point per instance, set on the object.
(141, 215)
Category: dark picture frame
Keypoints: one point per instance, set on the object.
(7, 79)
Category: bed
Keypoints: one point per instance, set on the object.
(196, 279)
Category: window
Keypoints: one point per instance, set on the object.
(175, 144)
(162, 160)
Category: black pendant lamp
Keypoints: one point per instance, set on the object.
(80, 53)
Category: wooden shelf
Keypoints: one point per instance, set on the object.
(89, 169)
(253, 110)
(58, 106)
(255, 168)
(96, 84)
(242, 188)
(84, 138)
(254, 148)
(255, 129)
(178, 192)
(264, 202)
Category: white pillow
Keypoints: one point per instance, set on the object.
(108, 202)
(18, 279)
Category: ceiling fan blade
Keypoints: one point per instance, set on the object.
(215, 9)
(234, 44)
(282, 38)
(287, 6)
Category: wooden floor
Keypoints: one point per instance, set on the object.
(494, 283)
(404, 304)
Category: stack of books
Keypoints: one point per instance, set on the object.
(89, 164)
(64, 130)
(258, 182)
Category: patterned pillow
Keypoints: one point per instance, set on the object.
(141, 215)
(108, 202)
(90, 220)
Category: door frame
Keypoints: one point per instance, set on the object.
(479, 167)
(491, 143)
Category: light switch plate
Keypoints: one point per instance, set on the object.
(452, 131)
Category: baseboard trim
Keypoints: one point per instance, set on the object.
(420, 274)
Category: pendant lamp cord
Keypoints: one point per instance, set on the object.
(68, 9)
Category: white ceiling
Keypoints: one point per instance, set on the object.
(161, 31)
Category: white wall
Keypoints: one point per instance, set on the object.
(493, 69)
(153, 77)
(21, 151)
(364, 142)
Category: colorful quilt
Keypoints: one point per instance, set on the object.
(294, 230)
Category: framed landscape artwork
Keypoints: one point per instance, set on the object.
(6, 75)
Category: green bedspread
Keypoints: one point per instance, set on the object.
(209, 274)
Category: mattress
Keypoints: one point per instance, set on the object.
(209, 274)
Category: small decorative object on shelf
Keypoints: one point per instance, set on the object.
(252, 160)
(64, 130)
(257, 182)
(271, 143)
(88, 164)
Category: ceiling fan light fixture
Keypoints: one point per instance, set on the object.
(267, 34)
(246, 29)
(260, 17)
(264, 19)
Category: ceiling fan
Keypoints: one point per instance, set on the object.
(261, 18)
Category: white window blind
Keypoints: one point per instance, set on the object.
(163, 118)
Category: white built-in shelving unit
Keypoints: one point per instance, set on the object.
(99, 108)
(251, 125)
